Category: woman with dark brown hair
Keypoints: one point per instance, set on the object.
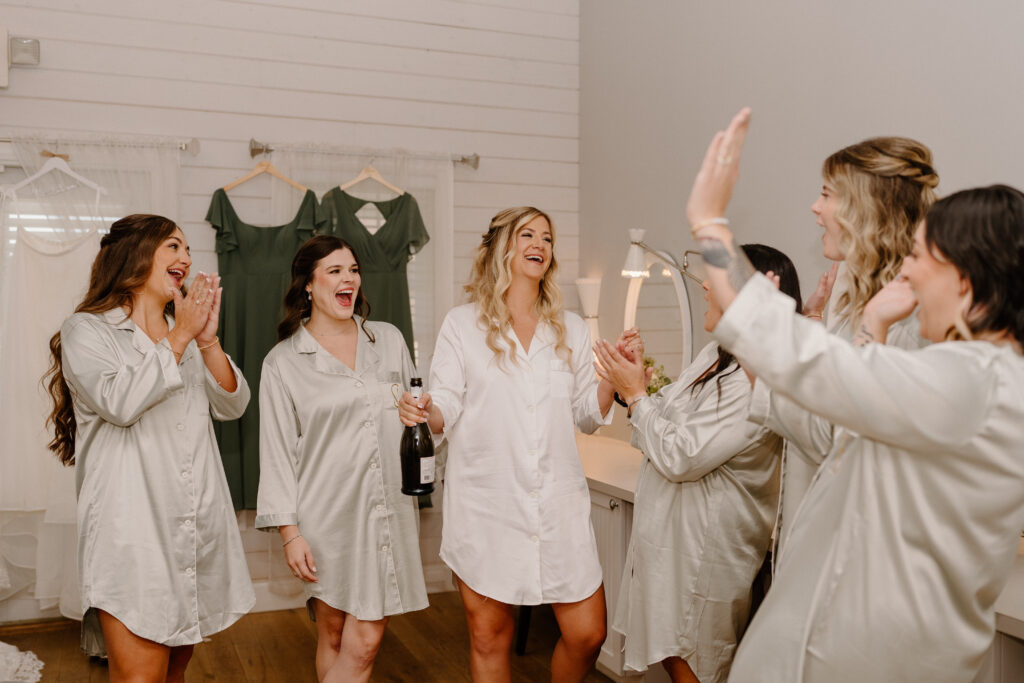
(137, 372)
(330, 475)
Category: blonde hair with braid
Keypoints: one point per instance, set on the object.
(884, 187)
(492, 276)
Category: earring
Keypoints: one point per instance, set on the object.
(309, 295)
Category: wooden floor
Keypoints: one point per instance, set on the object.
(278, 647)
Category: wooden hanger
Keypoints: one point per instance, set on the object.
(57, 162)
(371, 173)
(263, 167)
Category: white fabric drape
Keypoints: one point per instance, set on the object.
(51, 231)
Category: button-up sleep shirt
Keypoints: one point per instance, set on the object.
(330, 463)
(158, 541)
(516, 504)
(909, 530)
(705, 501)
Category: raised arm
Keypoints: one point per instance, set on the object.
(916, 399)
(687, 437)
(118, 390)
(934, 398)
(812, 434)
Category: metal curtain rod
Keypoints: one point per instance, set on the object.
(472, 160)
(190, 146)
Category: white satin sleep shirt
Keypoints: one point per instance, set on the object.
(910, 528)
(516, 503)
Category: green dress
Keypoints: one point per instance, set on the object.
(383, 255)
(255, 269)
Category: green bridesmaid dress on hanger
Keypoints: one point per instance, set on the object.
(383, 255)
(255, 269)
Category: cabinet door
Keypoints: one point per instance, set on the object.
(609, 517)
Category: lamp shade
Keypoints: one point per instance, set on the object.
(635, 265)
(589, 289)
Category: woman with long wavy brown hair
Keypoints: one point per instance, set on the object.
(512, 374)
(330, 476)
(137, 373)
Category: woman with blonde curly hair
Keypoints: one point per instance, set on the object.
(874, 195)
(512, 373)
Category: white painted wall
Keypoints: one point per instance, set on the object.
(499, 78)
(659, 77)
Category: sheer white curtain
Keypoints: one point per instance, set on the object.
(50, 234)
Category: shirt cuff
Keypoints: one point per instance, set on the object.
(760, 403)
(214, 385)
(743, 309)
(271, 522)
(169, 365)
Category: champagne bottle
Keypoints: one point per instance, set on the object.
(417, 452)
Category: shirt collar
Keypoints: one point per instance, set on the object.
(367, 356)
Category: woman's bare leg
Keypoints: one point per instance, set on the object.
(583, 625)
(679, 670)
(132, 659)
(346, 645)
(491, 628)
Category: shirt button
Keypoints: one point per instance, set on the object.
(190, 571)
(359, 384)
(368, 424)
(384, 548)
(533, 452)
(533, 494)
(184, 474)
(373, 464)
(180, 427)
(380, 508)
(534, 539)
(188, 522)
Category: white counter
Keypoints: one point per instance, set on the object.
(611, 465)
(1010, 605)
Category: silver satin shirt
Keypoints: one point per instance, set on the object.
(809, 436)
(329, 462)
(158, 541)
(705, 502)
(911, 525)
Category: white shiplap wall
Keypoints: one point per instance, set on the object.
(496, 77)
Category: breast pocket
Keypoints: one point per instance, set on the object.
(389, 389)
(560, 380)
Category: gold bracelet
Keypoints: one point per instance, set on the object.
(291, 539)
(216, 340)
(814, 315)
(721, 220)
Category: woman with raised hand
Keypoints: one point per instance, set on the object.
(330, 475)
(908, 533)
(137, 374)
(873, 196)
(512, 374)
(706, 497)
